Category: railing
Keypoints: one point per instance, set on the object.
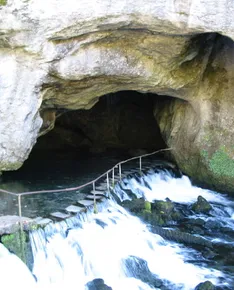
(92, 182)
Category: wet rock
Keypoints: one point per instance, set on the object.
(165, 213)
(19, 244)
(165, 207)
(213, 224)
(135, 206)
(201, 205)
(205, 286)
(181, 237)
(159, 213)
(197, 222)
(147, 205)
(193, 226)
(97, 284)
(208, 253)
(10, 224)
(197, 230)
(138, 268)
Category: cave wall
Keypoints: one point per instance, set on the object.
(66, 55)
(201, 131)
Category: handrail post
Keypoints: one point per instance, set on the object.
(140, 164)
(113, 176)
(94, 200)
(22, 239)
(20, 212)
(107, 182)
(120, 173)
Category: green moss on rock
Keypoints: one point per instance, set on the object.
(5, 166)
(15, 243)
(147, 206)
(201, 205)
(221, 163)
(3, 2)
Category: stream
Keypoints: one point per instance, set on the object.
(146, 235)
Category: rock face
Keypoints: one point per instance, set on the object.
(66, 54)
(200, 130)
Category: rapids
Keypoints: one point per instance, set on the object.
(120, 248)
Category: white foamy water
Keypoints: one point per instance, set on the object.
(164, 185)
(14, 274)
(99, 249)
(113, 243)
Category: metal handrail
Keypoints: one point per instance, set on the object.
(92, 182)
(85, 184)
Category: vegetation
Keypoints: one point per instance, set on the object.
(221, 163)
(3, 2)
(147, 205)
(15, 243)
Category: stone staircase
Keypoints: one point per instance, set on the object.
(85, 201)
(98, 195)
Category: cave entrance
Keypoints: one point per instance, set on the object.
(121, 121)
(88, 142)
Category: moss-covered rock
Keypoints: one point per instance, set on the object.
(147, 206)
(16, 243)
(201, 205)
(3, 2)
(164, 212)
(207, 285)
(221, 163)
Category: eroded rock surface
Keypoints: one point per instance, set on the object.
(200, 131)
(66, 54)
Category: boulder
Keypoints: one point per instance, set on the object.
(165, 213)
(201, 205)
(97, 284)
(205, 286)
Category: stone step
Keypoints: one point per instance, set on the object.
(101, 187)
(116, 179)
(38, 219)
(59, 215)
(42, 221)
(74, 209)
(97, 192)
(92, 196)
(85, 203)
(129, 172)
(103, 184)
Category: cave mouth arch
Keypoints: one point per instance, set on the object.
(121, 121)
(119, 126)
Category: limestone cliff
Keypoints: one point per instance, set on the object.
(66, 54)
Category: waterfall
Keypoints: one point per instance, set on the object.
(14, 273)
(110, 245)
(121, 249)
